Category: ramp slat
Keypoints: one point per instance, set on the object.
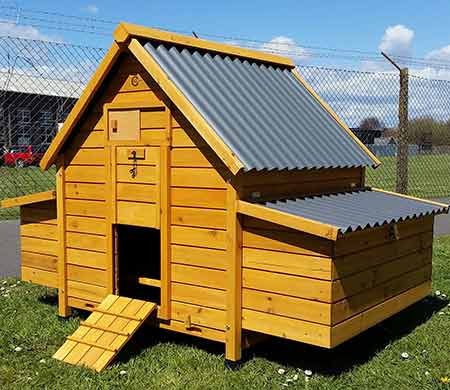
(104, 333)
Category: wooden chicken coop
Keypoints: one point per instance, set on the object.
(209, 185)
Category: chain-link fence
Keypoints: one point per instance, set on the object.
(371, 103)
(41, 81)
(39, 84)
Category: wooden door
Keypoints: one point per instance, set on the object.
(136, 190)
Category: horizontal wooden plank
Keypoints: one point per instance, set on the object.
(88, 191)
(154, 119)
(359, 261)
(349, 307)
(198, 197)
(84, 156)
(39, 245)
(196, 217)
(199, 331)
(86, 208)
(148, 155)
(87, 139)
(196, 295)
(84, 174)
(198, 276)
(86, 241)
(202, 257)
(86, 291)
(368, 318)
(289, 242)
(154, 137)
(277, 304)
(87, 275)
(38, 230)
(135, 98)
(137, 192)
(38, 215)
(85, 225)
(296, 286)
(372, 277)
(203, 238)
(289, 263)
(199, 315)
(82, 304)
(137, 214)
(39, 276)
(145, 174)
(289, 328)
(190, 158)
(86, 258)
(40, 261)
(36, 199)
(181, 139)
(368, 238)
(196, 178)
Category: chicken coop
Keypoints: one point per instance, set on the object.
(207, 189)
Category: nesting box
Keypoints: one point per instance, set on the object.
(209, 184)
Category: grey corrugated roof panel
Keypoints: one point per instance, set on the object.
(357, 210)
(262, 112)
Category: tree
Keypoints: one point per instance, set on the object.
(371, 123)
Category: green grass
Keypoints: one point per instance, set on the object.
(21, 181)
(157, 359)
(428, 175)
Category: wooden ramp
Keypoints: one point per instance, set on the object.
(100, 338)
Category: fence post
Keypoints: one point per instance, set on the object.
(402, 149)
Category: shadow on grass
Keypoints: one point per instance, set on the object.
(345, 357)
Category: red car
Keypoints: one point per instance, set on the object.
(21, 156)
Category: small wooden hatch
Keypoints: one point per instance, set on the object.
(100, 338)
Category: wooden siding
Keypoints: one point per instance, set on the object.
(294, 183)
(305, 289)
(39, 243)
(197, 234)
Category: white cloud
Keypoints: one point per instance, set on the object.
(91, 8)
(372, 66)
(8, 28)
(442, 54)
(286, 46)
(397, 40)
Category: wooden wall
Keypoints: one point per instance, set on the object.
(275, 184)
(39, 243)
(88, 188)
(198, 234)
(311, 290)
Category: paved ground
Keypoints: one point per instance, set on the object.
(9, 243)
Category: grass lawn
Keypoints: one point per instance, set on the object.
(428, 175)
(21, 181)
(158, 359)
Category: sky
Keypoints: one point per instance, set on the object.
(409, 28)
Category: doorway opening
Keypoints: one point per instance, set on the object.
(137, 262)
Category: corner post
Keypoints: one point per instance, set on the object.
(233, 326)
(63, 308)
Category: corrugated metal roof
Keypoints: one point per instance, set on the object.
(357, 210)
(262, 112)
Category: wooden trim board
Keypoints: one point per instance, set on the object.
(28, 199)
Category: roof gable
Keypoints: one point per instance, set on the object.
(244, 103)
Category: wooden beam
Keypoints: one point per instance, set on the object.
(183, 104)
(28, 199)
(126, 31)
(63, 309)
(432, 202)
(233, 327)
(82, 103)
(149, 282)
(336, 118)
(315, 228)
(165, 213)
